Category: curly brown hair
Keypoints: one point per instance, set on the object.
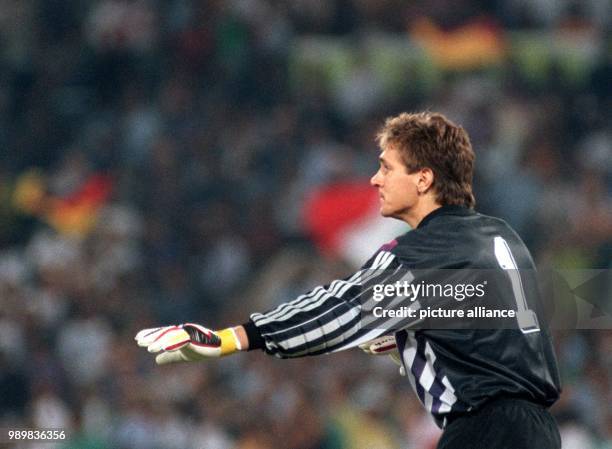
(428, 139)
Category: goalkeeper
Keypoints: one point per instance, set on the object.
(480, 386)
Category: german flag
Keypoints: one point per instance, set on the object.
(478, 43)
(73, 214)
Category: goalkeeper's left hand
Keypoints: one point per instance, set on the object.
(384, 346)
(187, 343)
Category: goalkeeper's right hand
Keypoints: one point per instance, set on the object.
(384, 346)
(187, 343)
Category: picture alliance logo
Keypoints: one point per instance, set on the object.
(423, 289)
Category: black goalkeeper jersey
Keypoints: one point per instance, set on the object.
(451, 370)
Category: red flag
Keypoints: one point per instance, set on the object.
(344, 220)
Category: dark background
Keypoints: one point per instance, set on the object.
(155, 157)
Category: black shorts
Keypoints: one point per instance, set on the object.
(501, 424)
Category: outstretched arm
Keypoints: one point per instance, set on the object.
(327, 319)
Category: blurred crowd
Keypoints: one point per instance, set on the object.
(155, 157)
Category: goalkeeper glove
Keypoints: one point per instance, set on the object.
(384, 346)
(187, 343)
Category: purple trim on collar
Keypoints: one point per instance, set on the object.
(389, 246)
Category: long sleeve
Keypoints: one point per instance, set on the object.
(328, 318)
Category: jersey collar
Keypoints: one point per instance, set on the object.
(444, 210)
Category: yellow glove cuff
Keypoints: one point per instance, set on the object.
(229, 341)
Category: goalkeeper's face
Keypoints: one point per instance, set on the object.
(397, 189)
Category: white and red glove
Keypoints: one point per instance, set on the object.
(384, 346)
(187, 343)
